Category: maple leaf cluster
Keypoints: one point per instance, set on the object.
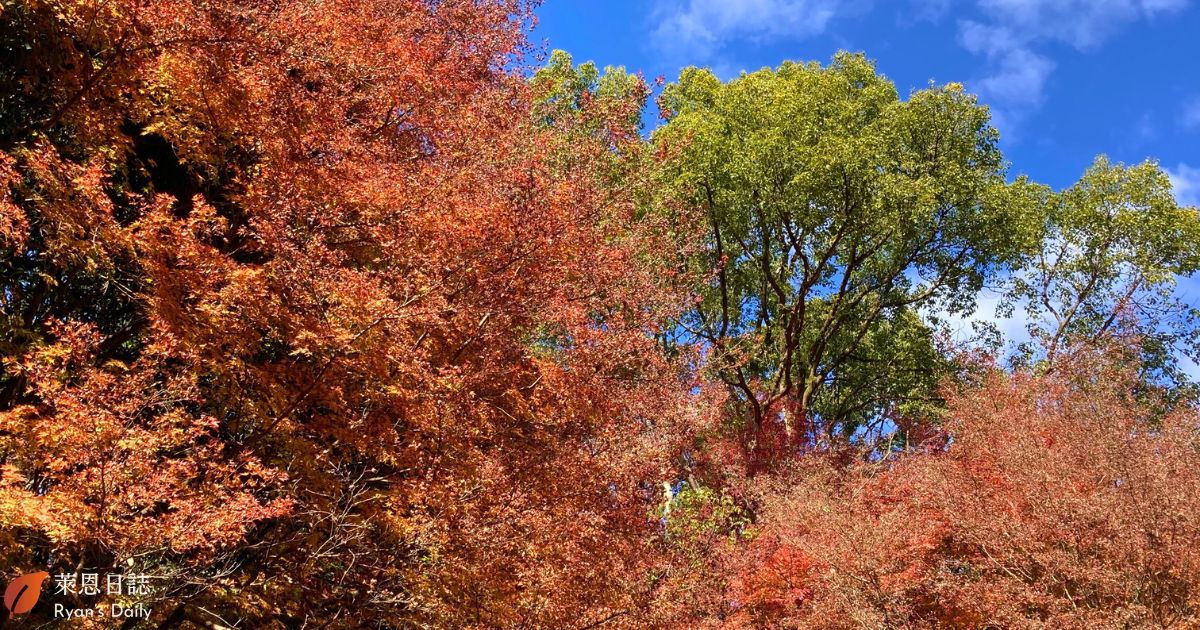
(1061, 501)
(307, 316)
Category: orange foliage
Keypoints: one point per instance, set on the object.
(308, 318)
(1062, 501)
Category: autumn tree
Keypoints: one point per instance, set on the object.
(836, 211)
(607, 104)
(304, 315)
(1061, 501)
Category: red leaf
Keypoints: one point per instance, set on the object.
(23, 592)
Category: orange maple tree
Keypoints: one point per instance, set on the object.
(1061, 500)
(308, 316)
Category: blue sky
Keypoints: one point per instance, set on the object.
(1066, 79)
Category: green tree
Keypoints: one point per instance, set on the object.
(609, 104)
(835, 211)
(1112, 247)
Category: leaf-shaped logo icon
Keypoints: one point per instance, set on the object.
(23, 592)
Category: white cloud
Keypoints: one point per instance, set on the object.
(1013, 35)
(1185, 181)
(1144, 130)
(986, 39)
(699, 28)
(932, 10)
(1014, 31)
(1016, 76)
(1191, 114)
(1020, 78)
(1083, 24)
(987, 303)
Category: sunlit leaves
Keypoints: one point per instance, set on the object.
(835, 212)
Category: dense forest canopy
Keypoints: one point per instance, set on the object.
(328, 314)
